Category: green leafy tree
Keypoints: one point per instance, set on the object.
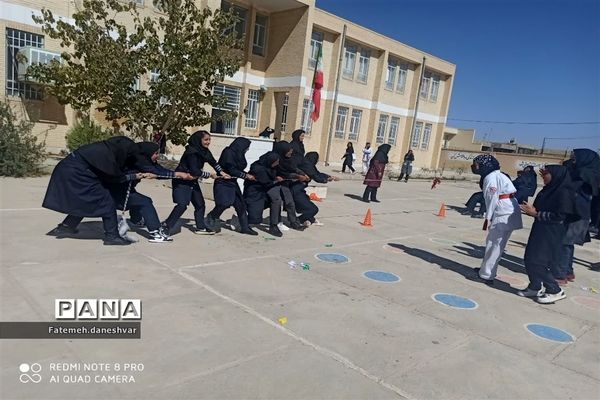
(188, 51)
(20, 152)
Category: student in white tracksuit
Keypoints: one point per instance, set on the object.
(366, 158)
(503, 214)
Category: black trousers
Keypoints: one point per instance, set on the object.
(288, 203)
(349, 165)
(370, 191)
(304, 206)
(240, 209)
(183, 194)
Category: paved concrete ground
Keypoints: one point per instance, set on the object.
(211, 307)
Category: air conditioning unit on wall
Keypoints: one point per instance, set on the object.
(33, 55)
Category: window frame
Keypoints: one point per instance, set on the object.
(389, 84)
(252, 109)
(394, 123)
(241, 21)
(315, 44)
(306, 122)
(341, 119)
(355, 121)
(12, 85)
(265, 27)
(402, 77)
(427, 129)
(364, 54)
(348, 67)
(381, 128)
(284, 113)
(415, 137)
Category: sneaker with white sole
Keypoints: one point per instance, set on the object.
(204, 231)
(159, 236)
(530, 292)
(548, 298)
(282, 227)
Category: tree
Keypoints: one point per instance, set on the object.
(184, 53)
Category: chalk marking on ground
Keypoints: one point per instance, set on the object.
(320, 349)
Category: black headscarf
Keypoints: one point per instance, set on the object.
(267, 159)
(487, 164)
(237, 151)
(287, 166)
(559, 195)
(195, 146)
(382, 153)
(297, 145)
(586, 168)
(143, 155)
(110, 156)
(309, 164)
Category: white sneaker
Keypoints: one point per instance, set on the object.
(282, 227)
(159, 237)
(531, 293)
(318, 223)
(548, 298)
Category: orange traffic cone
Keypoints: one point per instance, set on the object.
(442, 212)
(367, 222)
(313, 196)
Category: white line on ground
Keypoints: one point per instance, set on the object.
(320, 349)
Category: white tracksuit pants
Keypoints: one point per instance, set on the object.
(495, 243)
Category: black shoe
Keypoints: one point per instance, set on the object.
(165, 228)
(249, 231)
(365, 200)
(274, 230)
(297, 226)
(375, 201)
(477, 278)
(212, 223)
(62, 231)
(466, 212)
(115, 241)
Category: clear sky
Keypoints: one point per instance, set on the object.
(516, 60)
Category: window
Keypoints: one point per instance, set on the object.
(430, 86)
(158, 5)
(135, 86)
(426, 136)
(139, 2)
(232, 103)
(306, 121)
(154, 74)
(401, 84)
(363, 65)
(416, 136)
(284, 111)
(435, 87)
(355, 125)
(349, 62)
(316, 44)
(16, 39)
(340, 122)
(393, 133)
(390, 76)
(252, 109)
(381, 128)
(260, 35)
(240, 13)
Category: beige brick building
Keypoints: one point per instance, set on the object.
(377, 94)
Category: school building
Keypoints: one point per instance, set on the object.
(376, 89)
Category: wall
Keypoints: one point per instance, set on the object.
(510, 163)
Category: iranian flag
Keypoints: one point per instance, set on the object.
(317, 85)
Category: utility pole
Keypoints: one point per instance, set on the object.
(414, 121)
(335, 96)
(543, 145)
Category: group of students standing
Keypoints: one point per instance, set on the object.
(563, 211)
(99, 178)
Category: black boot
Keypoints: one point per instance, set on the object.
(365, 197)
(115, 240)
(274, 230)
(374, 195)
(212, 223)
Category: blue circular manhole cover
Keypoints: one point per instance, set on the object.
(334, 258)
(550, 333)
(381, 276)
(454, 301)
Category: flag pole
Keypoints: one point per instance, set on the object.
(335, 96)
